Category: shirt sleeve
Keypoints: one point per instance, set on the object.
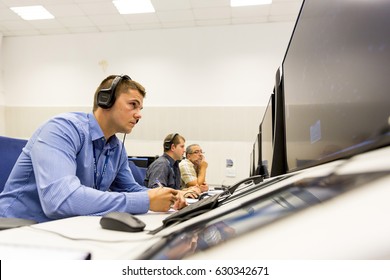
(158, 171)
(188, 173)
(61, 194)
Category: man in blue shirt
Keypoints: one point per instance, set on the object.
(75, 165)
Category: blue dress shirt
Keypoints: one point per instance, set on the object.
(55, 175)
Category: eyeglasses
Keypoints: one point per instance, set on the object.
(197, 152)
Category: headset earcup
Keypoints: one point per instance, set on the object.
(106, 96)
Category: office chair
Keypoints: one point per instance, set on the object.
(10, 149)
(139, 173)
(140, 161)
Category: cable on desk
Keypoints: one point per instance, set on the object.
(87, 239)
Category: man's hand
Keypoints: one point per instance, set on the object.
(203, 163)
(180, 201)
(204, 187)
(163, 199)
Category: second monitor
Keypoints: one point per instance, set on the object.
(266, 133)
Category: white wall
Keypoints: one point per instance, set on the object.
(218, 66)
(217, 78)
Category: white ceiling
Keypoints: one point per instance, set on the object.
(90, 16)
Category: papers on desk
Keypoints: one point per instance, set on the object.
(26, 252)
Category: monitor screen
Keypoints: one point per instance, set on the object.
(266, 131)
(279, 161)
(336, 81)
(252, 162)
(256, 154)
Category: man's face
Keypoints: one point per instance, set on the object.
(196, 155)
(178, 150)
(126, 111)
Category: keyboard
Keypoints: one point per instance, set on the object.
(205, 204)
(195, 209)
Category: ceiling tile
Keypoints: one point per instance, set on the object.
(46, 24)
(210, 3)
(65, 10)
(7, 14)
(173, 16)
(212, 13)
(141, 18)
(245, 12)
(25, 32)
(146, 26)
(282, 18)
(169, 5)
(99, 8)
(16, 25)
(76, 22)
(53, 31)
(76, 16)
(213, 22)
(114, 28)
(91, 29)
(104, 20)
(285, 8)
(260, 19)
(181, 24)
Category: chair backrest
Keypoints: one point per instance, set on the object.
(139, 173)
(10, 149)
(140, 161)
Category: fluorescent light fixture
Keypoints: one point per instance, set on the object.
(32, 12)
(238, 3)
(133, 6)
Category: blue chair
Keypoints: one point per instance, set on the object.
(139, 173)
(140, 161)
(10, 149)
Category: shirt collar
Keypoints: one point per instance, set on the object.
(172, 162)
(97, 133)
(189, 162)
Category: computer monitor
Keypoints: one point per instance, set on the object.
(266, 129)
(279, 157)
(257, 154)
(336, 81)
(252, 162)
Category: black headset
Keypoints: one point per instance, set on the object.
(106, 96)
(168, 143)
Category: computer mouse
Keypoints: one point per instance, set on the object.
(122, 221)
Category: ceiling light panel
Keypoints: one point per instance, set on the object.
(133, 6)
(240, 3)
(32, 12)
